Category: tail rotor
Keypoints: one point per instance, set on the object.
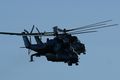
(29, 51)
(39, 33)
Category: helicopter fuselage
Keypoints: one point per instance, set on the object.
(58, 49)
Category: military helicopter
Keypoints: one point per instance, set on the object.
(64, 47)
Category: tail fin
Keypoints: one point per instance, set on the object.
(26, 41)
(38, 40)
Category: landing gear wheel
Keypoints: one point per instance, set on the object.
(69, 64)
(31, 60)
(84, 53)
(76, 64)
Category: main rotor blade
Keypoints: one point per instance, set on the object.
(82, 32)
(10, 33)
(91, 25)
(28, 34)
(99, 27)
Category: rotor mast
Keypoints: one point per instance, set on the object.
(55, 30)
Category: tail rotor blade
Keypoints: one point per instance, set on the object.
(31, 32)
(26, 31)
(32, 29)
(29, 51)
(37, 30)
(39, 33)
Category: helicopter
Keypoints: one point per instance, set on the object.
(64, 47)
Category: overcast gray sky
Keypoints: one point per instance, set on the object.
(102, 61)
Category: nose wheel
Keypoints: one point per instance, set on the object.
(70, 63)
(76, 64)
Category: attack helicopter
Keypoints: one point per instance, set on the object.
(64, 47)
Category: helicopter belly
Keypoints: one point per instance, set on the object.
(56, 57)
